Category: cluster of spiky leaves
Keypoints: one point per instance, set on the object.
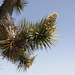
(29, 37)
(20, 5)
(35, 36)
(15, 54)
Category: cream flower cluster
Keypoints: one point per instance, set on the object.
(50, 22)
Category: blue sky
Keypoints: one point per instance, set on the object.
(59, 60)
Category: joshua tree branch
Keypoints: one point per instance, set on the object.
(6, 22)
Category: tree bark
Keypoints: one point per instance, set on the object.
(7, 27)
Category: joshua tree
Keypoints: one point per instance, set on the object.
(18, 43)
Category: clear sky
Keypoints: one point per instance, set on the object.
(60, 60)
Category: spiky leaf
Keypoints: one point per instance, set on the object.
(20, 5)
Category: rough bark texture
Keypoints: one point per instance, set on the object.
(7, 27)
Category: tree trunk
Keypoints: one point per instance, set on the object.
(7, 27)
